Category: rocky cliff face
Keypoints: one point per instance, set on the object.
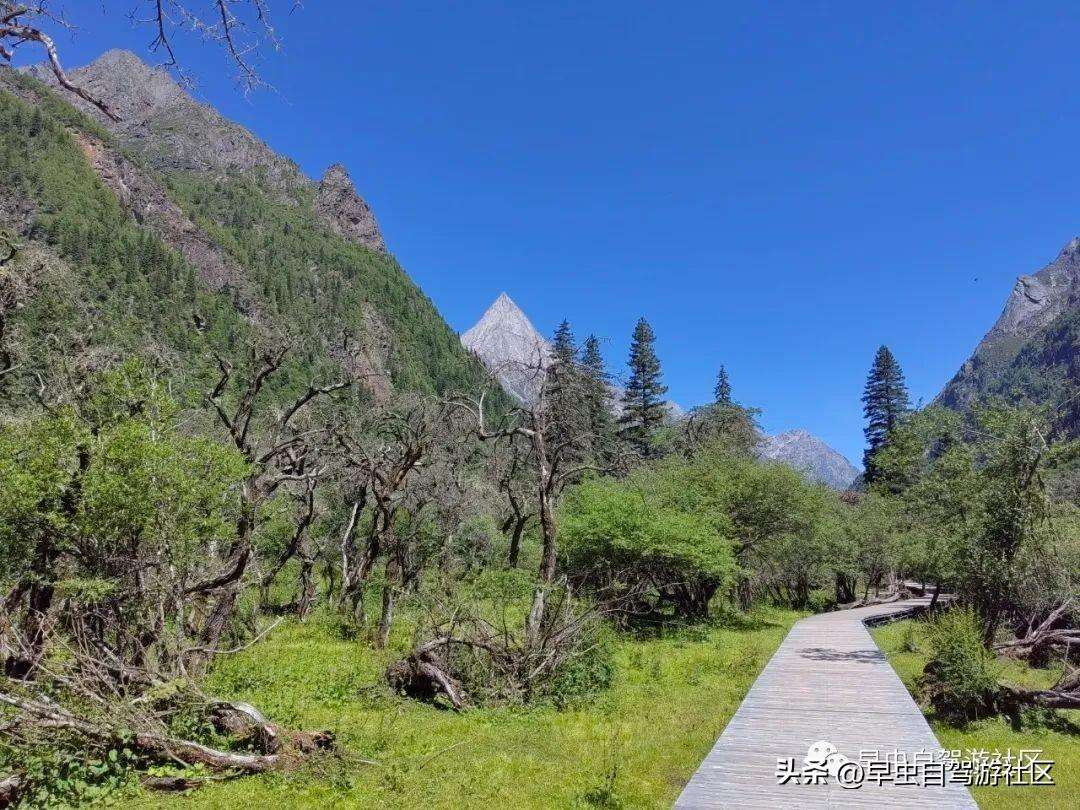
(165, 125)
(344, 211)
(1037, 300)
(512, 349)
(1031, 352)
(809, 454)
(173, 132)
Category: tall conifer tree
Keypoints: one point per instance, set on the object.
(643, 400)
(723, 388)
(563, 345)
(598, 398)
(885, 404)
(565, 387)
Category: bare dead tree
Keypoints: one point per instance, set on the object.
(1054, 634)
(558, 439)
(471, 653)
(513, 472)
(382, 460)
(280, 453)
(242, 28)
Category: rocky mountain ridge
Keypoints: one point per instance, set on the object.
(807, 453)
(1032, 352)
(190, 236)
(172, 132)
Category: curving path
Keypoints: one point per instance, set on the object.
(828, 681)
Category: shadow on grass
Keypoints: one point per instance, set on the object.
(658, 625)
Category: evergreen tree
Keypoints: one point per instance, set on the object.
(598, 398)
(565, 394)
(643, 400)
(563, 345)
(723, 388)
(885, 403)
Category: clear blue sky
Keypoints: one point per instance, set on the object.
(779, 187)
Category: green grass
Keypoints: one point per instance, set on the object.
(633, 746)
(1059, 744)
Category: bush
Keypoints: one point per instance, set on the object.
(585, 675)
(619, 540)
(960, 679)
(821, 601)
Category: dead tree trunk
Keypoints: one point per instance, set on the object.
(389, 598)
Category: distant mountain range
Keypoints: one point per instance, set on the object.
(1032, 353)
(810, 455)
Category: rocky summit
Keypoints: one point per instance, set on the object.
(166, 126)
(344, 211)
(1032, 353)
(512, 349)
(807, 453)
(172, 132)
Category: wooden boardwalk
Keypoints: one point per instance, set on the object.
(828, 681)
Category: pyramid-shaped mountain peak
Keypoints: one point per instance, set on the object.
(511, 347)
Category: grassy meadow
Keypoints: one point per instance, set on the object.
(905, 646)
(634, 745)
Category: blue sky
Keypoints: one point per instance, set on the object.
(779, 187)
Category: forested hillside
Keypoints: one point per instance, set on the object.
(183, 264)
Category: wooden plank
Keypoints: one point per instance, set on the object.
(827, 681)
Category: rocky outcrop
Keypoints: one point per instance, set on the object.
(508, 344)
(1036, 302)
(166, 126)
(344, 211)
(171, 131)
(810, 455)
(141, 192)
(151, 207)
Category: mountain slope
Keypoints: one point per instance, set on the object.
(164, 124)
(1032, 353)
(253, 247)
(809, 454)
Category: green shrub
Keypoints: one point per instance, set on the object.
(586, 674)
(618, 540)
(960, 679)
(821, 601)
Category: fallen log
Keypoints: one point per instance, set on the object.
(1065, 694)
(1040, 641)
(52, 716)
